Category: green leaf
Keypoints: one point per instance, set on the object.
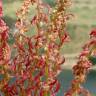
(92, 59)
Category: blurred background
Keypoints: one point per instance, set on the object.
(78, 27)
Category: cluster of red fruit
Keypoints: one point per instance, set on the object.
(86, 60)
(33, 68)
(29, 67)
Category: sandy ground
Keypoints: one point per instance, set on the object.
(71, 60)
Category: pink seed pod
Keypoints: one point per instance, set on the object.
(1, 13)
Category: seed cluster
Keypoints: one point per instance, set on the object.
(86, 60)
(33, 68)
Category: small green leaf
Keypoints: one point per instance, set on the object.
(92, 59)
